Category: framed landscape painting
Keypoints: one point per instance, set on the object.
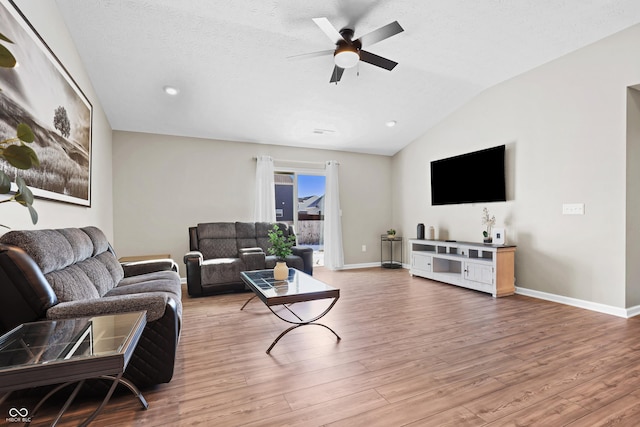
(39, 92)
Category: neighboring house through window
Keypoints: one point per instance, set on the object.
(300, 202)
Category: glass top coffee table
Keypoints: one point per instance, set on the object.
(69, 351)
(299, 287)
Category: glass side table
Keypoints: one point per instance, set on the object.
(66, 352)
(391, 262)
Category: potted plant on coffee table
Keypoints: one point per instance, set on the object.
(281, 248)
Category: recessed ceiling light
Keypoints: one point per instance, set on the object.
(170, 90)
(391, 123)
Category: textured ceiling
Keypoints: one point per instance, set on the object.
(229, 60)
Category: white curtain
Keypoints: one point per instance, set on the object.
(265, 200)
(333, 253)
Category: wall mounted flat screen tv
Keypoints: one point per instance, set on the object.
(469, 178)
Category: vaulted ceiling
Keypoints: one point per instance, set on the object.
(229, 59)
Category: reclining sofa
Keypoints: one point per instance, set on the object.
(219, 251)
(74, 272)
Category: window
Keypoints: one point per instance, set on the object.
(300, 202)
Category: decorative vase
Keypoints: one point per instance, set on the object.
(281, 271)
(391, 236)
(488, 240)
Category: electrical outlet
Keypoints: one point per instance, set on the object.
(364, 248)
(573, 209)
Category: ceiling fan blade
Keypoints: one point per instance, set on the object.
(312, 54)
(381, 33)
(336, 75)
(376, 60)
(328, 29)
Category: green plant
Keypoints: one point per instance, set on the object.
(15, 151)
(391, 232)
(280, 244)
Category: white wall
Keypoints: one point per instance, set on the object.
(46, 19)
(164, 184)
(564, 125)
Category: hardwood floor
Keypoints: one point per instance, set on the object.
(413, 352)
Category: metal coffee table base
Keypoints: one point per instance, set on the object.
(116, 380)
(300, 322)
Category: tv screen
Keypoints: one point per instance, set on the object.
(469, 178)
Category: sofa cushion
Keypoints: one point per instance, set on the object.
(221, 270)
(98, 275)
(246, 235)
(71, 284)
(112, 265)
(217, 240)
(81, 244)
(48, 248)
(158, 281)
(99, 240)
(262, 235)
(151, 283)
(156, 275)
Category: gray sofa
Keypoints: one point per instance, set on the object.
(73, 272)
(219, 251)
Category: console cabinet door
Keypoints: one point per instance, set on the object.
(421, 262)
(481, 273)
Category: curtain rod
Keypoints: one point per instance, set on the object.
(323, 164)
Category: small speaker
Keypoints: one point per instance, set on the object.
(421, 231)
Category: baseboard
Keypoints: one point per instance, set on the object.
(588, 305)
(363, 265)
(633, 311)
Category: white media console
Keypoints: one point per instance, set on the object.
(483, 267)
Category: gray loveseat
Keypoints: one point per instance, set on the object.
(73, 272)
(219, 251)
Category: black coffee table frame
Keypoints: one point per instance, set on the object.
(299, 287)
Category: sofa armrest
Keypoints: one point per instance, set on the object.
(193, 260)
(194, 256)
(136, 268)
(306, 253)
(154, 303)
(253, 258)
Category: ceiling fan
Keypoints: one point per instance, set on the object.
(348, 52)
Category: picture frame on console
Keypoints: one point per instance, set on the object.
(41, 93)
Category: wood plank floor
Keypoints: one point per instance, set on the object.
(413, 352)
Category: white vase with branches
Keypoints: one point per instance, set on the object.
(488, 221)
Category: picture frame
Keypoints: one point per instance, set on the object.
(40, 92)
(498, 235)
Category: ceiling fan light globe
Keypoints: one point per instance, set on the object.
(346, 58)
